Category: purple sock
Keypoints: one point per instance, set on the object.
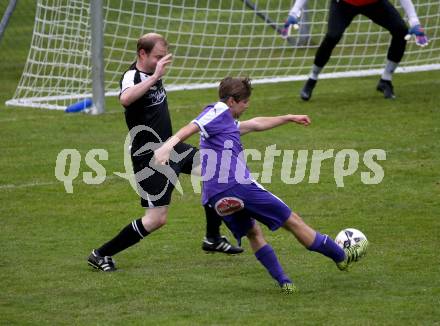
(326, 246)
(269, 260)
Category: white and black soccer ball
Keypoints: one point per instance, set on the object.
(349, 237)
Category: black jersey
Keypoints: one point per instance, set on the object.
(150, 110)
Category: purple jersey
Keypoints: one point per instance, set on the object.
(221, 151)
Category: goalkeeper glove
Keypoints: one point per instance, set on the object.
(419, 33)
(290, 21)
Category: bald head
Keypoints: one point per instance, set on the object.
(147, 42)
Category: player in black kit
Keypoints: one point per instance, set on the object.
(146, 114)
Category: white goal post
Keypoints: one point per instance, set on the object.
(209, 39)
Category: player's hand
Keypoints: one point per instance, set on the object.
(290, 21)
(162, 155)
(162, 64)
(301, 119)
(419, 32)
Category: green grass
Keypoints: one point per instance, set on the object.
(46, 234)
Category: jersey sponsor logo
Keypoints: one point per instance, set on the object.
(156, 96)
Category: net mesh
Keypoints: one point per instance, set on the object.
(209, 39)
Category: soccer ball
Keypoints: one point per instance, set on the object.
(349, 237)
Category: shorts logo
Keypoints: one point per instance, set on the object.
(228, 205)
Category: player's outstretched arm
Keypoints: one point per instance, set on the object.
(293, 18)
(416, 28)
(162, 154)
(265, 123)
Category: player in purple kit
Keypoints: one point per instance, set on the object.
(230, 189)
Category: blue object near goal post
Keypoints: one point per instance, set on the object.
(79, 106)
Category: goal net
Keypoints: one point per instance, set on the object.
(209, 39)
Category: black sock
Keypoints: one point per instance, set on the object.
(213, 222)
(130, 235)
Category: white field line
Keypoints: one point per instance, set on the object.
(42, 184)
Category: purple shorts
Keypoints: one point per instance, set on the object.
(258, 204)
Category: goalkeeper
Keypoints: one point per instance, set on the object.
(341, 14)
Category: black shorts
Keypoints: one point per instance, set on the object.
(156, 186)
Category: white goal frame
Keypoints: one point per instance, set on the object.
(80, 48)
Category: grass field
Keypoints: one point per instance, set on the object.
(47, 234)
